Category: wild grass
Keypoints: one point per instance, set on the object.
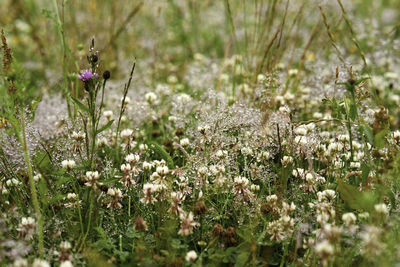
(205, 133)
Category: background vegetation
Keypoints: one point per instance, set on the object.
(229, 132)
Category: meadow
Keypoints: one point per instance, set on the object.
(199, 133)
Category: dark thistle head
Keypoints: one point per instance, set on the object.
(106, 75)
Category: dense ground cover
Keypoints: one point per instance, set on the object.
(193, 132)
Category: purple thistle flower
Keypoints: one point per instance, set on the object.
(86, 75)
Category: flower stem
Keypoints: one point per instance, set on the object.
(35, 201)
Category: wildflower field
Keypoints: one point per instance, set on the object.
(200, 133)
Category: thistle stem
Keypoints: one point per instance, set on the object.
(35, 201)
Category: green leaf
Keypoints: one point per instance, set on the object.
(353, 111)
(361, 80)
(368, 133)
(63, 180)
(354, 198)
(43, 189)
(365, 169)
(105, 127)
(242, 258)
(34, 105)
(80, 104)
(380, 138)
(286, 171)
(56, 198)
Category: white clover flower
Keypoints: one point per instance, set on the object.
(108, 114)
(172, 79)
(272, 198)
(77, 136)
(126, 168)
(240, 180)
(324, 249)
(255, 187)
(68, 164)
(27, 221)
(317, 115)
(92, 179)
(66, 264)
(344, 138)
(191, 256)
(127, 100)
(289, 96)
(71, 196)
(148, 190)
(102, 141)
(247, 151)
(172, 118)
(301, 130)
(355, 165)
(65, 245)
(37, 177)
(184, 142)
(301, 140)
(92, 175)
(326, 195)
(202, 170)
(381, 208)
(219, 153)
(163, 89)
(143, 147)
(286, 160)
(15, 181)
(309, 177)
(132, 158)
(20, 263)
(261, 77)
(162, 170)
(371, 244)
(187, 224)
(293, 72)
(40, 263)
(396, 134)
(363, 215)
(127, 133)
(349, 218)
(356, 145)
(147, 165)
(111, 192)
(183, 98)
(151, 97)
(265, 155)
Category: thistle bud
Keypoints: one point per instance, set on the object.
(106, 75)
(94, 58)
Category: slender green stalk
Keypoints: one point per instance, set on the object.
(89, 221)
(79, 206)
(35, 201)
(60, 27)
